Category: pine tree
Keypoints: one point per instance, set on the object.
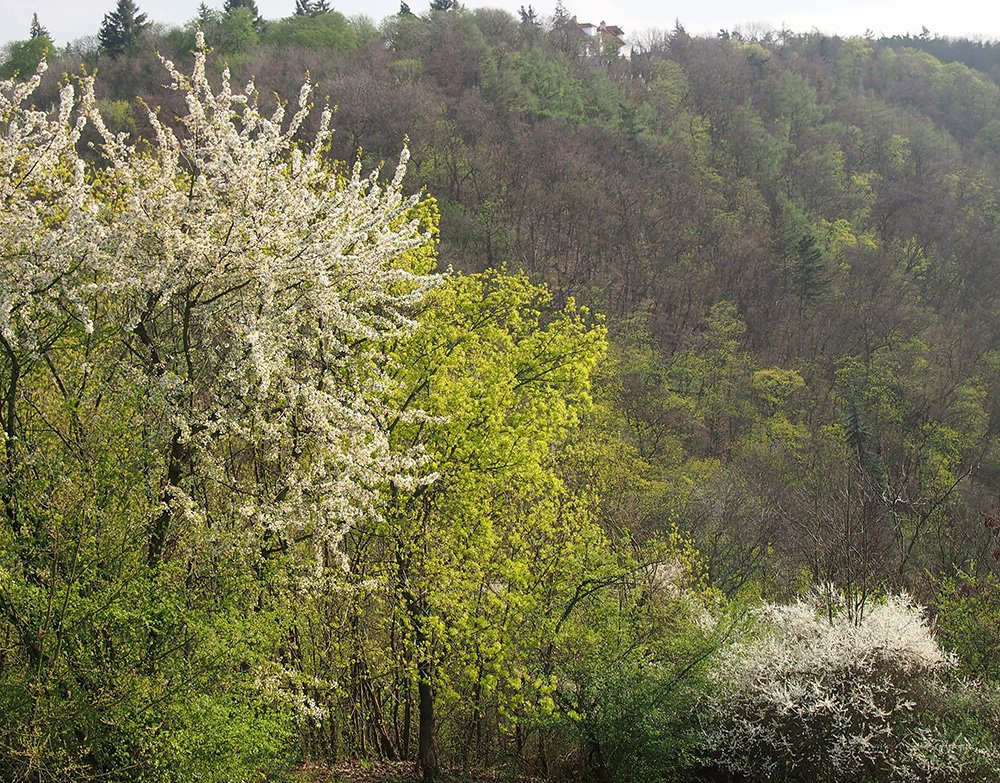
(859, 435)
(121, 28)
(205, 14)
(311, 7)
(443, 5)
(231, 5)
(251, 6)
(37, 31)
(560, 16)
(808, 268)
(528, 16)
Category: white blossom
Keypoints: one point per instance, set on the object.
(819, 694)
(249, 285)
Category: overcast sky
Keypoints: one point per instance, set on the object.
(70, 19)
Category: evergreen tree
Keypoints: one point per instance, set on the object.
(311, 7)
(528, 16)
(561, 15)
(443, 5)
(808, 271)
(404, 9)
(37, 31)
(251, 6)
(205, 14)
(121, 28)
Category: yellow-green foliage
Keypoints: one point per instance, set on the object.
(500, 378)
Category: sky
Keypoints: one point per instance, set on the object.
(67, 20)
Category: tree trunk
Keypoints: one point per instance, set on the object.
(426, 751)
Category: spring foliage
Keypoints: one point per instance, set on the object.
(192, 386)
(227, 370)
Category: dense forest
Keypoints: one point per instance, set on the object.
(505, 401)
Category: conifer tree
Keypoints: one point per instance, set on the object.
(37, 31)
(22, 58)
(121, 28)
(528, 16)
(808, 271)
(204, 14)
(311, 7)
(560, 16)
(250, 5)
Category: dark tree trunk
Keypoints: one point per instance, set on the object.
(417, 609)
(426, 751)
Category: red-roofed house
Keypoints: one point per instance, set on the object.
(596, 39)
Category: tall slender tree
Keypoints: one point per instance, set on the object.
(121, 28)
(37, 31)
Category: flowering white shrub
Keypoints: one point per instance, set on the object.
(233, 278)
(49, 232)
(195, 385)
(821, 696)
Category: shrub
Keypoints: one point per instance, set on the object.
(822, 695)
(969, 623)
(632, 664)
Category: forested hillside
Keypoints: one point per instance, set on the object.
(647, 430)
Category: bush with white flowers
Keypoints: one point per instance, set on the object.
(243, 284)
(825, 695)
(195, 380)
